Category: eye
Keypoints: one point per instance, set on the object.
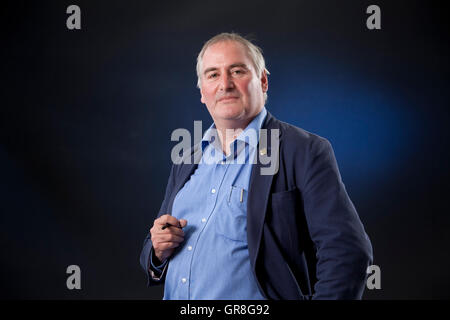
(213, 75)
(238, 72)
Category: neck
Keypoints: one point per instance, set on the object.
(227, 136)
(229, 130)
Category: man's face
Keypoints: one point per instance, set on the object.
(230, 87)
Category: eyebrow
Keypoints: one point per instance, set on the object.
(234, 65)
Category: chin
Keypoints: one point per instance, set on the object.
(230, 112)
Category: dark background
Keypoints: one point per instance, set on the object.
(86, 118)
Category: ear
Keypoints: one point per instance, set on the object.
(264, 81)
(202, 99)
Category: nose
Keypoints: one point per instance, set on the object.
(226, 82)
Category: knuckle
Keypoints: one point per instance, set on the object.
(159, 220)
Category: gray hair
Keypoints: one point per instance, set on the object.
(254, 52)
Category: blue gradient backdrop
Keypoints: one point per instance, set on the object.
(86, 118)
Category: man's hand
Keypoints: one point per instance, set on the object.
(166, 240)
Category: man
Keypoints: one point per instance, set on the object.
(225, 229)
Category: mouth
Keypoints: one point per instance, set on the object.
(227, 99)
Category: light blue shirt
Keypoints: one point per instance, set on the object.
(213, 261)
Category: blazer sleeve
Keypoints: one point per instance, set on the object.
(343, 249)
(153, 278)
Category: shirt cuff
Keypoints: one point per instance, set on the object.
(156, 271)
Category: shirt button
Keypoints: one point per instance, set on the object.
(189, 248)
(213, 191)
(204, 220)
(184, 280)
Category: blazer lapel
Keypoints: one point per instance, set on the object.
(259, 191)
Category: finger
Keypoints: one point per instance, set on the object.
(162, 219)
(161, 246)
(169, 238)
(167, 219)
(183, 223)
(157, 230)
(172, 230)
(164, 237)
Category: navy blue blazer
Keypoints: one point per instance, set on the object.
(305, 238)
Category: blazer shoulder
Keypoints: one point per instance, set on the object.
(299, 139)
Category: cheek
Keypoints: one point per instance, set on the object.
(250, 89)
(207, 95)
(244, 88)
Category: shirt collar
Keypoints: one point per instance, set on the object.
(210, 136)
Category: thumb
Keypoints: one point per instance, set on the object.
(183, 223)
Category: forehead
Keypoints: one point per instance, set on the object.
(225, 53)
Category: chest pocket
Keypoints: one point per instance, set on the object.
(231, 221)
